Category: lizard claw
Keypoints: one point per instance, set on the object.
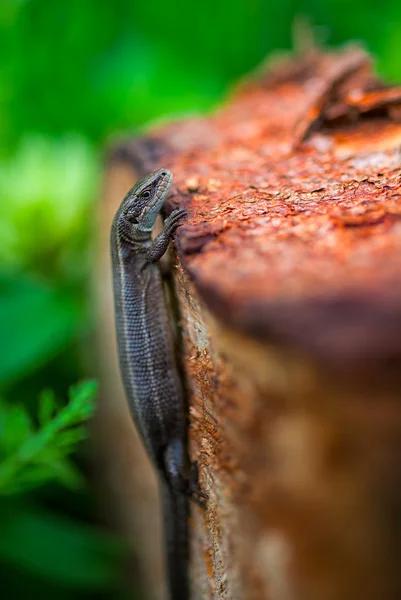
(173, 220)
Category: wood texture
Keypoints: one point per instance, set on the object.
(288, 276)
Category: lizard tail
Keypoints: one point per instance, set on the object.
(176, 508)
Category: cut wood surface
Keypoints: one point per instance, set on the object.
(288, 276)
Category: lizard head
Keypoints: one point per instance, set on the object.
(142, 204)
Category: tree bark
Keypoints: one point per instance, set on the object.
(288, 277)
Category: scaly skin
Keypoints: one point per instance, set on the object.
(147, 358)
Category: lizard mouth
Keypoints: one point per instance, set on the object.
(163, 179)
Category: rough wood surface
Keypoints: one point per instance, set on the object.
(289, 283)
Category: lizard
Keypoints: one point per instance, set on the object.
(147, 359)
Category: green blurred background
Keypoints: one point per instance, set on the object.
(72, 75)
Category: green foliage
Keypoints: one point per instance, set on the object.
(32, 456)
(57, 549)
(100, 67)
(47, 189)
(36, 321)
(48, 546)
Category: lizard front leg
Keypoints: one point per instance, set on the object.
(160, 243)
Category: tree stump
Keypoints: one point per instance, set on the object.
(288, 278)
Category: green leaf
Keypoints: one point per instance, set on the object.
(71, 437)
(30, 478)
(36, 456)
(36, 322)
(67, 474)
(47, 407)
(15, 426)
(58, 549)
(82, 400)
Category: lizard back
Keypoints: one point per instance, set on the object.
(146, 349)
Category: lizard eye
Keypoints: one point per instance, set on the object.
(145, 194)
